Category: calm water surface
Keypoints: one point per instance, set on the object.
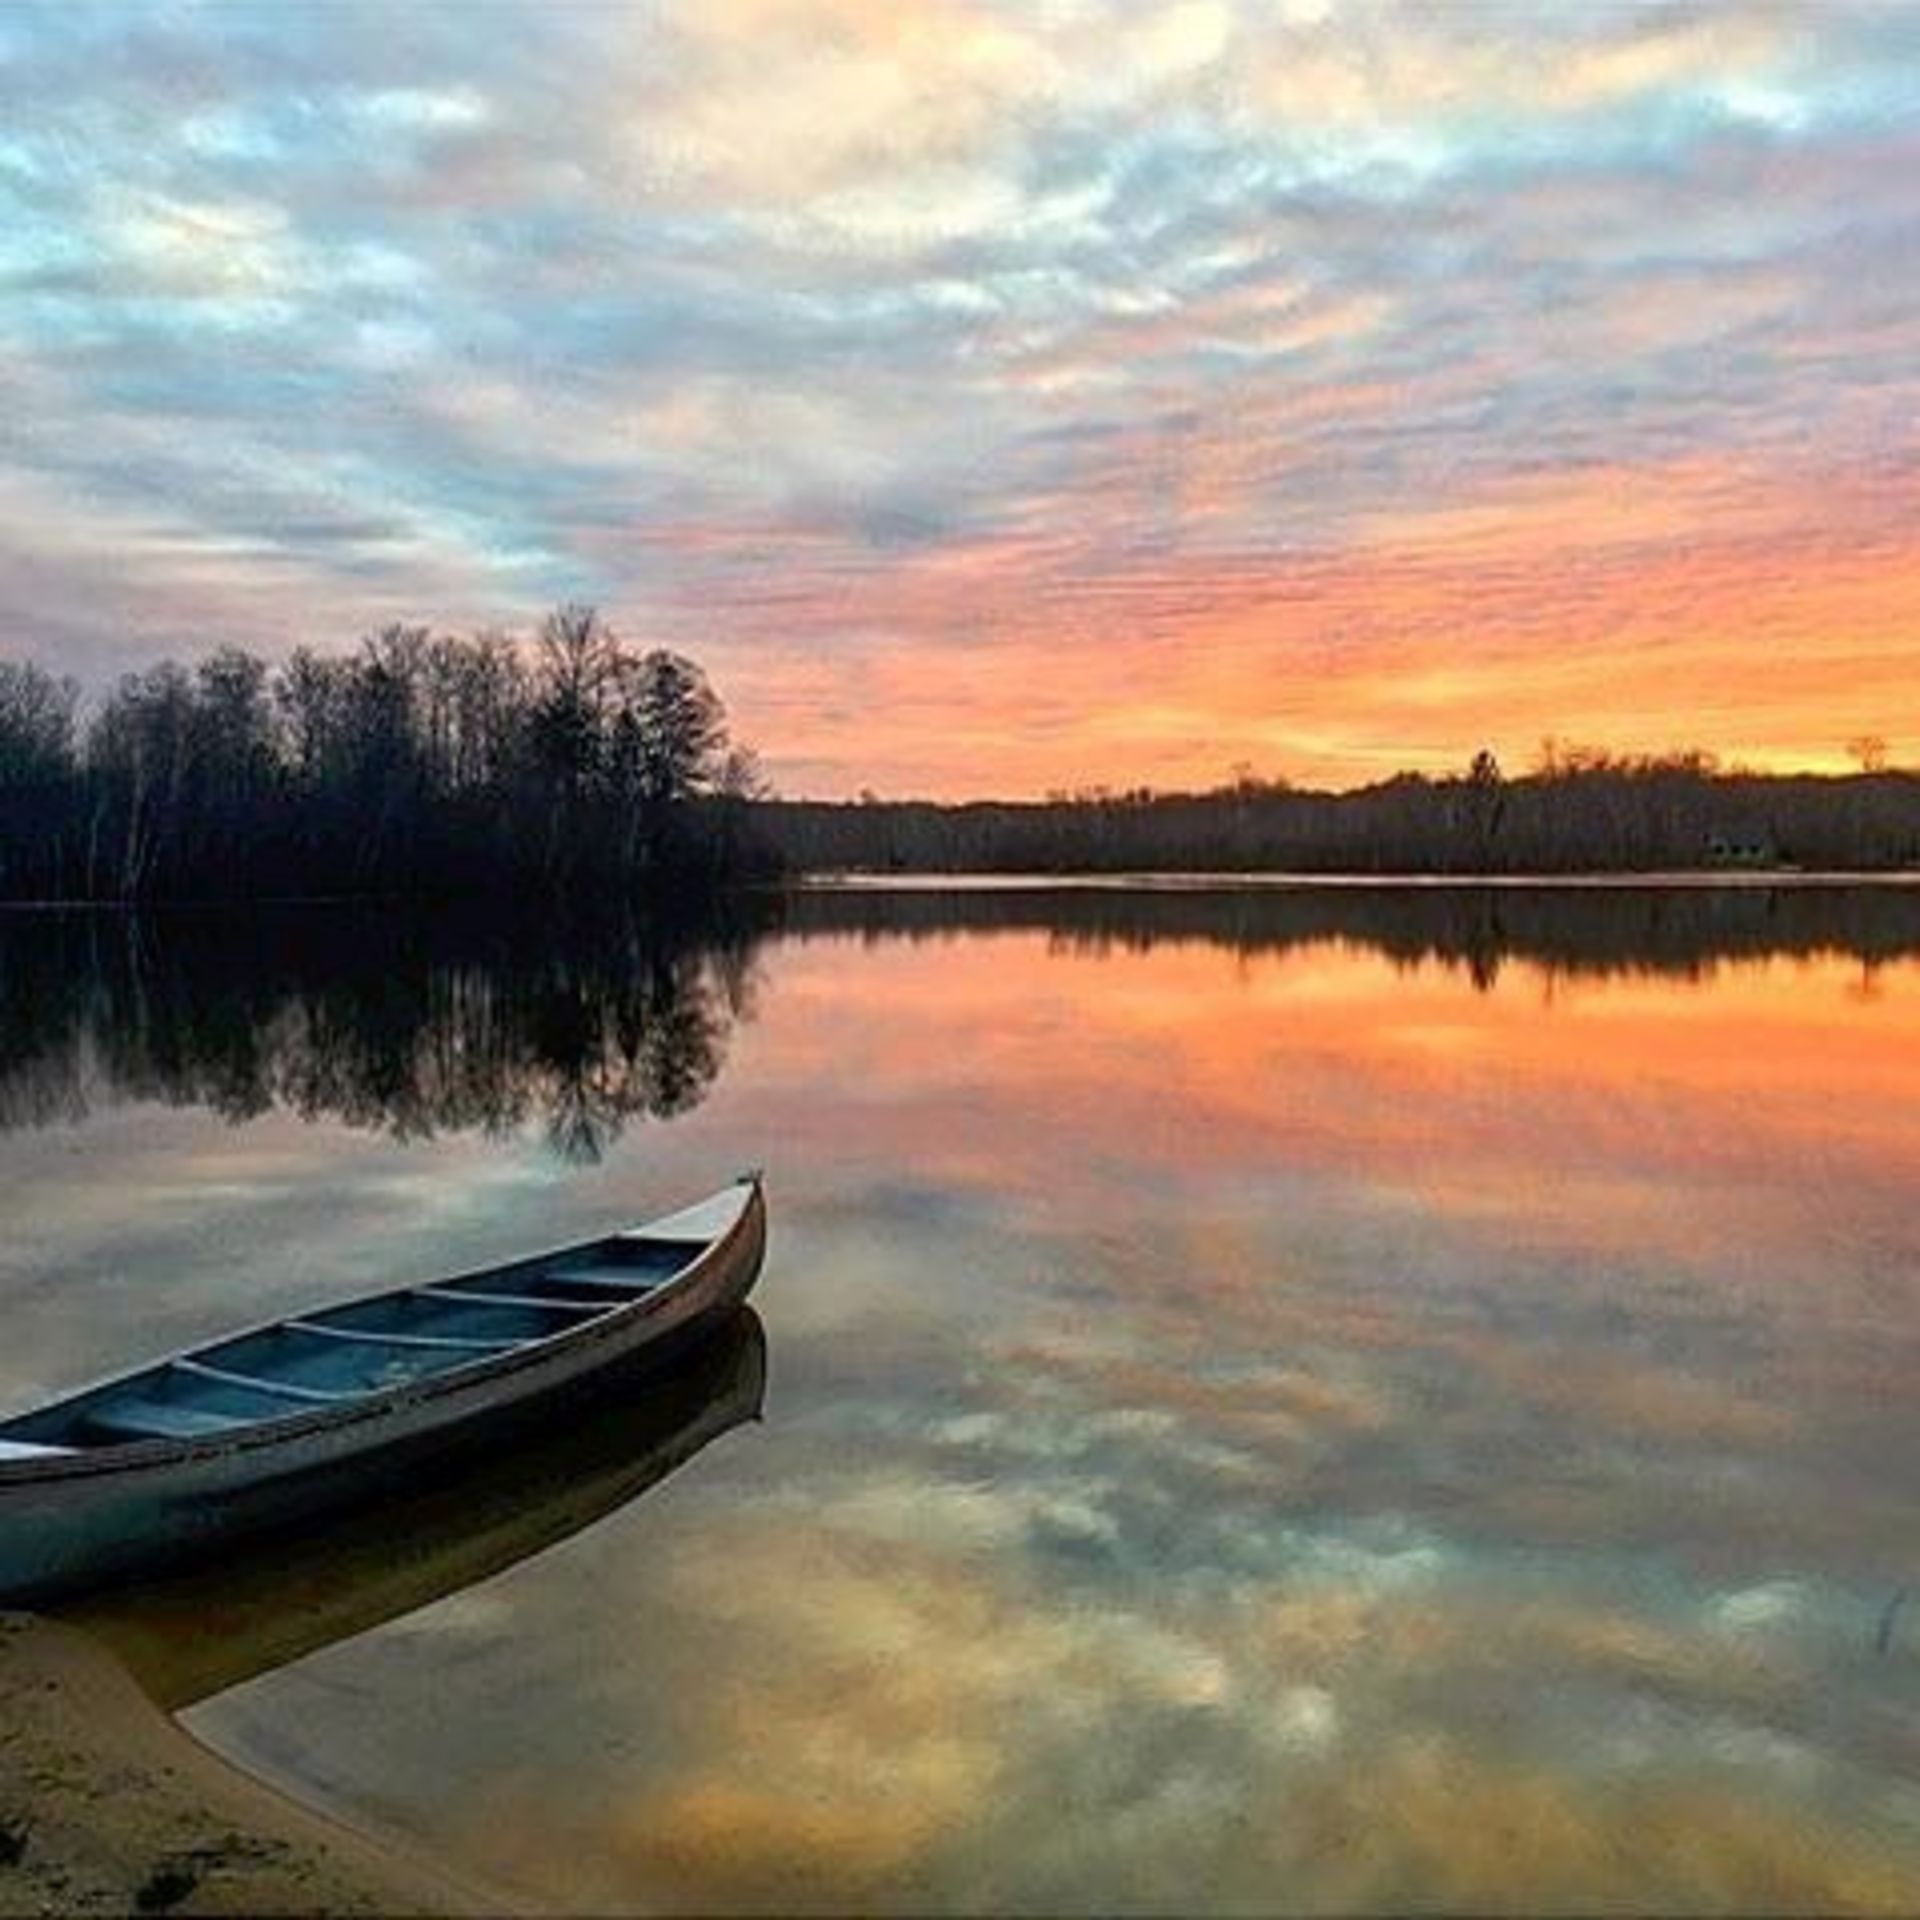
(1283, 1403)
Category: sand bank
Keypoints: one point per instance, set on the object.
(108, 1806)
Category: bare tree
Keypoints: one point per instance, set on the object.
(418, 763)
(36, 724)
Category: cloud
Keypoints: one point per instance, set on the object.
(1149, 361)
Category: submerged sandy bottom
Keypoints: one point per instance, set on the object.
(108, 1806)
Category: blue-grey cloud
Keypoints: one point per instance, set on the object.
(784, 327)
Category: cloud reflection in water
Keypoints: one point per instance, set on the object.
(1259, 1421)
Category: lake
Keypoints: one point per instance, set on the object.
(1288, 1399)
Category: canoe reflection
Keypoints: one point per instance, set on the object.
(198, 1630)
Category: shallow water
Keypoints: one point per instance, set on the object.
(1273, 1403)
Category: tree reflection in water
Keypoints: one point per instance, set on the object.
(1673, 931)
(416, 1023)
(404, 1023)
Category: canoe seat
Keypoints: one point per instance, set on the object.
(260, 1383)
(613, 1279)
(429, 1341)
(158, 1420)
(473, 1297)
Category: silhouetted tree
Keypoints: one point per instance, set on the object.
(232, 762)
(679, 730)
(419, 763)
(140, 754)
(579, 669)
(36, 725)
(39, 826)
(1486, 804)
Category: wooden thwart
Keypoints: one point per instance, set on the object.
(445, 1341)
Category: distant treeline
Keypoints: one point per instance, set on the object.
(1580, 811)
(576, 767)
(420, 764)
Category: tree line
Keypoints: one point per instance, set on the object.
(1580, 810)
(579, 768)
(421, 763)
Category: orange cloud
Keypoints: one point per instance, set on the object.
(1645, 609)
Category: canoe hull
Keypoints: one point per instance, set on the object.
(205, 1623)
(81, 1520)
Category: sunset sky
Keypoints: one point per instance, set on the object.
(995, 397)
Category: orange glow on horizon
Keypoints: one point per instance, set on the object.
(1627, 610)
(1000, 399)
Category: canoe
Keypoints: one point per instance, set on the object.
(195, 1628)
(262, 1427)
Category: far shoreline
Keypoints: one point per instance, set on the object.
(1178, 880)
(1069, 880)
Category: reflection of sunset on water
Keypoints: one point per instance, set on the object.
(1624, 1112)
(1260, 1417)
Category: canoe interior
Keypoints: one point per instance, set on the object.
(339, 1354)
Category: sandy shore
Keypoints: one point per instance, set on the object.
(108, 1806)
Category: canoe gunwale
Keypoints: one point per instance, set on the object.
(621, 1322)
